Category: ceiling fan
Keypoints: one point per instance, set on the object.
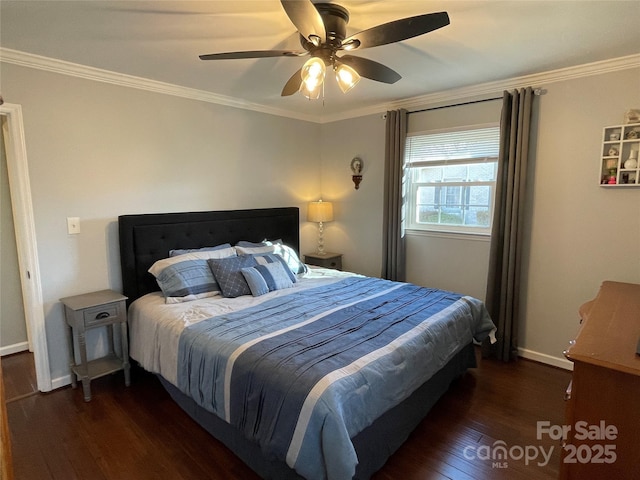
(322, 28)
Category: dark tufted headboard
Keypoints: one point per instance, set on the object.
(146, 238)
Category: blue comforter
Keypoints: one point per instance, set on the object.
(303, 373)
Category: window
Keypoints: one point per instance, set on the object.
(451, 179)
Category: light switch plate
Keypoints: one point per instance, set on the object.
(73, 225)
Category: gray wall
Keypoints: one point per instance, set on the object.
(578, 233)
(357, 229)
(97, 150)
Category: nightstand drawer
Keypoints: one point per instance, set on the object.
(335, 263)
(100, 314)
(328, 260)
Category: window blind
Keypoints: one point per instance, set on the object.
(453, 147)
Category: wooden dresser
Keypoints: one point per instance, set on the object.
(604, 395)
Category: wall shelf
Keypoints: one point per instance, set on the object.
(619, 158)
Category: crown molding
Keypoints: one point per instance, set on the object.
(30, 60)
(432, 99)
(491, 89)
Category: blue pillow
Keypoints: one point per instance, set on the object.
(188, 277)
(227, 272)
(245, 244)
(267, 278)
(276, 246)
(267, 258)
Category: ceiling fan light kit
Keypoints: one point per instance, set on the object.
(312, 74)
(347, 77)
(323, 29)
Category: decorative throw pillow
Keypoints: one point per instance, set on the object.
(182, 251)
(276, 246)
(267, 258)
(188, 277)
(291, 257)
(267, 278)
(227, 272)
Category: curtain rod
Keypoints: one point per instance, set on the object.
(536, 91)
(455, 105)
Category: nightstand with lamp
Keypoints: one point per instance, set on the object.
(320, 212)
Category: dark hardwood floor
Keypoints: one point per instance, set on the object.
(139, 433)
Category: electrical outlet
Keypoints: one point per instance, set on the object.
(73, 225)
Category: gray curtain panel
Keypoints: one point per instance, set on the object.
(503, 281)
(393, 248)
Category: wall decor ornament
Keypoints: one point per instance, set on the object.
(632, 116)
(632, 161)
(356, 169)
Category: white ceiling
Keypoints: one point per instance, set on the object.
(161, 40)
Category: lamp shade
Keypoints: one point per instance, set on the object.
(347, 77)
(313, 72)
(320, 211)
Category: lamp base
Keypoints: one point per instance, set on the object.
(320, 249)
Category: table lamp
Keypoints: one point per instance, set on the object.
(320, 212)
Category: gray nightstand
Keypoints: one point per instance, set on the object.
(328, 260)
(105, 308)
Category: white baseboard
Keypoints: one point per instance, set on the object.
(60, 382)
(15, 348)
(547, 359)
(23, 347)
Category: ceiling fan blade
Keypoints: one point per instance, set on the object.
(252, 54)
(370, 69)
(293, 84)
(399, 30)
(306, 18)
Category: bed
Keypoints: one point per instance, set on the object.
(324, 376)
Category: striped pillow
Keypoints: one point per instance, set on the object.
(188, 277)
(267, 278)
(267, 258)
(276, 246)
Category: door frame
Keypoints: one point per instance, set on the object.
(24, 224)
